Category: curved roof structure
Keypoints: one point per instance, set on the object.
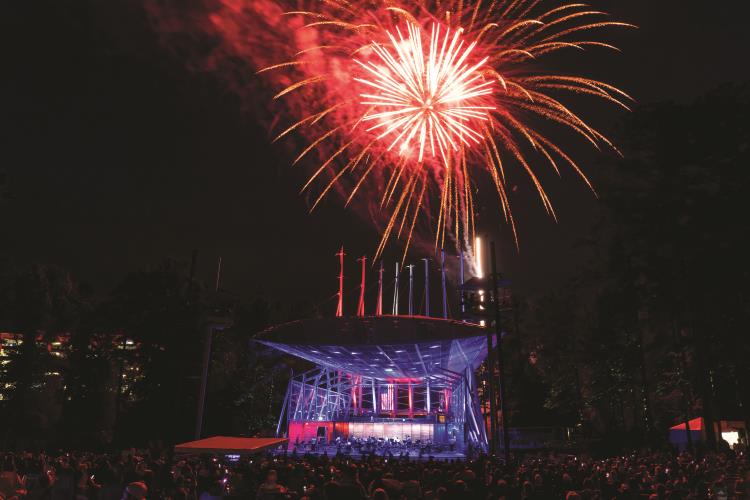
(382, 347)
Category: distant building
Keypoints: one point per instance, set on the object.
(124, 355)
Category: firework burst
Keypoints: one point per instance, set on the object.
(415, 100)
(430, 95)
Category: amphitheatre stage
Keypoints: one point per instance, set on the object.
(384, 385)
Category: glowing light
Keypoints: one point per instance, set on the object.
(416, 101)
(731, 437)
(478, 257)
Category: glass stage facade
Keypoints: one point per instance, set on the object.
(386, 378)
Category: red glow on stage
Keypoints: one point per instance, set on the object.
(404, 380)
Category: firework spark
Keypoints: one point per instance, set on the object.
(420, 98)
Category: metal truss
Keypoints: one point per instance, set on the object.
(326, 394)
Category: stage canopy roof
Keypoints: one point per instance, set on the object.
(383, 347)
(229, 445)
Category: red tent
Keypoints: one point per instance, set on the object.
(224, 445)
(696, 424)
(728, 430)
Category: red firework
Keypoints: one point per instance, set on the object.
(429, 95)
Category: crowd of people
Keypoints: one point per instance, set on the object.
(358, 447)
(133, 475)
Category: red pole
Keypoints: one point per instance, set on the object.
(411, 401)
(361, 306)
(340, 307)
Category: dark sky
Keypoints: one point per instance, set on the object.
(117, 156)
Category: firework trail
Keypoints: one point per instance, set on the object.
(408, 103)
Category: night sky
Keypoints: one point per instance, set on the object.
(117, 155)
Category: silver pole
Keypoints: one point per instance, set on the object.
(395, 294)
(426, 287)
(206, 364)
(461, 277)
(445, 296)
(218, 276)
(411, 289)
(379, 305)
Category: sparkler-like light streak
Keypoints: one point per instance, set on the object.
(420, 97)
